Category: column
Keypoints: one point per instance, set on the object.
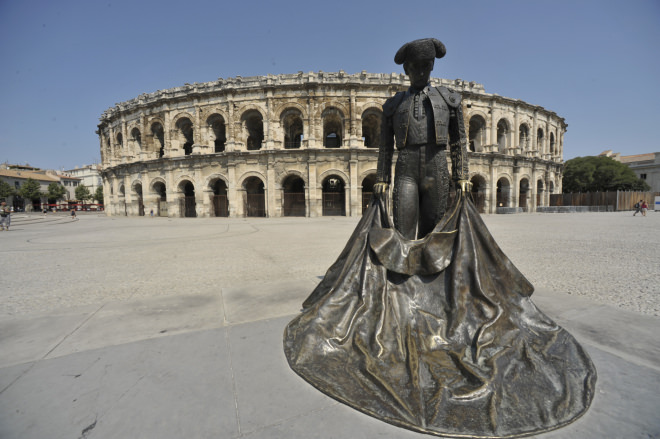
(352, 174)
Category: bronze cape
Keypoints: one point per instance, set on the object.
(438, 335)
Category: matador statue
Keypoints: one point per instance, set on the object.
(425, 323)
(426, 122)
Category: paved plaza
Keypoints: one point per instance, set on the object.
(172, 327)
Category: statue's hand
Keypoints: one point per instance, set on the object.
(464, 185)
(380, 188)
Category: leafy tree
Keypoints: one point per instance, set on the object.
(6, 190)
(55, 192)
(98, 195)
(30, 190)
(600, 173)
(82, 193)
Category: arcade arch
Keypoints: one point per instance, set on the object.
(503, 135)
(255, 199)
(479, 187)
(187, 202)
(219, 130)
(503, 192)
(253, 127)
(477, 133)
(292, 124)
(371, 120)
(333, 196)
(185, 132)
(333, 127)
(293, 196)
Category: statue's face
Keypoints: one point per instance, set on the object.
(419, 72)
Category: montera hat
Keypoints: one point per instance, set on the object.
(426, 48)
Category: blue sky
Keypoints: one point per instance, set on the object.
(64, 62)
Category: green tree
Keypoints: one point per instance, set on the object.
(600, 173)
(30, 190)
(98, 195)
(6, 190)
(82, 193)
(55, 192)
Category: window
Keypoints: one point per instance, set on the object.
(642, 176)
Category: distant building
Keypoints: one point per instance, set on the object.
(89, 175)
(645, 166)
(17, 175)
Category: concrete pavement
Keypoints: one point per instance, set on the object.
(172, 328)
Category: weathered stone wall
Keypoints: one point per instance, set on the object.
(315, 127)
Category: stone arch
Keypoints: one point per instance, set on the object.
(137, 193)
(240, 183)
(333, 127)
(291, 105)
(523, 135)
(252, 122)
(107, 146)
(119, 139)
(293, 195)
(254, 193)
(187, 199)
(503, 187)
(154, 182)
(477, 132)
(136, 187)
(339, 173)
(540, 189)
(157, 137)
(290, 172)
(479, 191)
(208, 181)
(367, 181)
(524, 190)
(217, 127)
(552, 143)
(136, 139)
(218, 186)
(291, 122)
(333, 196)
(328, 105)
(371, 120)
(185, 134)
(180, 179)
(503, 134)
(539, 139)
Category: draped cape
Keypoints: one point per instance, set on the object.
(438, 335)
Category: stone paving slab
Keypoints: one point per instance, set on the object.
(183, 337)
(233, 381)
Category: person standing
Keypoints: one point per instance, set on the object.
(645, 207)
(5, 216)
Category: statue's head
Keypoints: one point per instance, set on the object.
(418, 58)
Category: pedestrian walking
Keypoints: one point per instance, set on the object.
(638, 207)
(5, 216)
(645, 207)
(73, 214)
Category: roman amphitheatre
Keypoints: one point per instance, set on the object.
(305, 144)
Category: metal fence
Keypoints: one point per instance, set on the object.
(612, 201)
(293, 204)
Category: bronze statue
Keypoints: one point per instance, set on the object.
(426, 122)
(436, 334)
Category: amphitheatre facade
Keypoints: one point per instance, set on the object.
(305, 144)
